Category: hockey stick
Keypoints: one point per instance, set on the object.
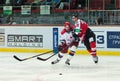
(45, 59)
(31, 56)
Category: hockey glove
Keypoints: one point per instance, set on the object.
(60, 47)
(76, 37)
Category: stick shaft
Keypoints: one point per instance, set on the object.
(19, 59)
(45, 59)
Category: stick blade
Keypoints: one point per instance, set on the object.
(42, 59)
(17, 58)
(45, 59)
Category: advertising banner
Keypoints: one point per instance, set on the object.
(2, 37)
(55, 40)
(24, 40)
(45, 9)
(113, 39)
(45, 38)
(26, 10)
(7, 10)
(26, 37)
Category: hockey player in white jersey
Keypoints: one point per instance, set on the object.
(67, 40)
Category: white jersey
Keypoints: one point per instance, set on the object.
(67, 38)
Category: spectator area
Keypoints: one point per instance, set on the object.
(62, 10)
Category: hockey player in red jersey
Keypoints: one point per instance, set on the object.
(86, 35)
(66, 41)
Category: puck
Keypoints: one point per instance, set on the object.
(60, 73)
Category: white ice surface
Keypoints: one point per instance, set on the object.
(82, 68)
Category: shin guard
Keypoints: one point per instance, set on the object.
(60, 55)
(92, 51)
(71, 54)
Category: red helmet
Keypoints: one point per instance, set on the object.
(67, 26)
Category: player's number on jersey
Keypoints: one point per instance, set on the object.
(100, 39)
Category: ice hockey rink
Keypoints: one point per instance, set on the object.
(82, 68)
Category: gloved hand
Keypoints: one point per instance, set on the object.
(74, 34)
(76, 37)
(60, 47)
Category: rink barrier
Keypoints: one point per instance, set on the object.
(78, 52)
(37, 39)
(23, 50)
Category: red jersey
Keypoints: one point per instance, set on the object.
(80, 27)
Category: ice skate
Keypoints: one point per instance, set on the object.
(95, 59)
(67, 62)
(56, 61)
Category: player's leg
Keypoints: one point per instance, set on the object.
(61, 54)
(90, 43)
(92, 51)
(72, 52)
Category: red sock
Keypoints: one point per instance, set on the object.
(92, 45)
(93, 53)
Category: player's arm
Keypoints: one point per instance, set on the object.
(62, 42)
